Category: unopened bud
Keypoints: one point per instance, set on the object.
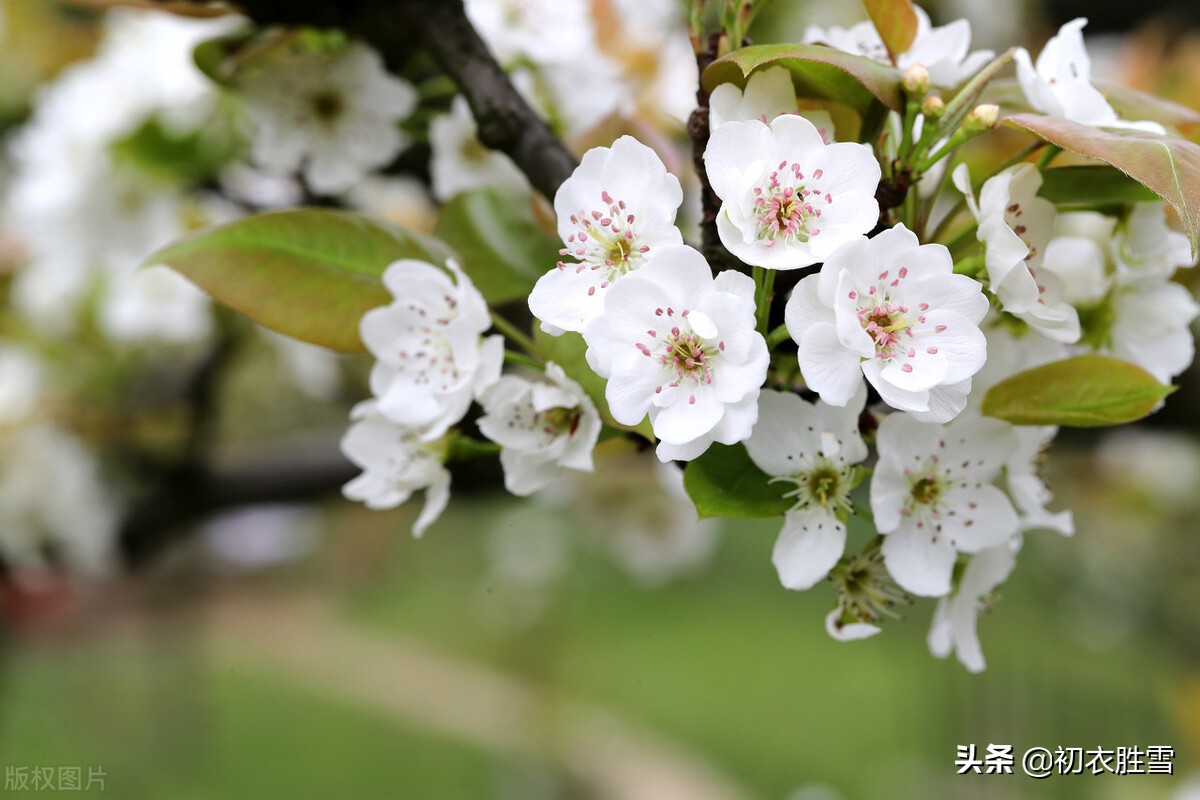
(982, 118)
(933, 107)
(916, 80)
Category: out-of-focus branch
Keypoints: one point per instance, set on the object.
(505, 121)
(192, 492)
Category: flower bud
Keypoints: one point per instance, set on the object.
(933, 107)
(916, 80)
(982, 118)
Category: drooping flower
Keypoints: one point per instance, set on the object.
(814, 447)
(954, 620)
(1025, 486)
(891, 309)
(396, 461)
(933, 497)
(337, 118)
(615, 211)
(943, 50)
(1060, 84)
(460, 163)
(1131, 313)
(768, 94)
(788, 199)
(1015, 227)
(431, 357)
(681, 346)
(866, 593)
(542, 427)
(1145, 249)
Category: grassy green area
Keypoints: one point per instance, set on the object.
(727, 664)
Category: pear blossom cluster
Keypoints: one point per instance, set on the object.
(859, 396)
(814, 342)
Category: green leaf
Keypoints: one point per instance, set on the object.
(725, 482)
(568, 352)
(1167, 165)
(1091, 186)
(308, 273)
(1132, 104)
(498, 243)
(896, 22)
(817, 71)
(1084, 392)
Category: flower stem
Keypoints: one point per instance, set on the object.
(775, 337)
(513, 357)
(513, 333)
(1048, 156)
(764, 281)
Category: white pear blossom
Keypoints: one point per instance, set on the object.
(545, 32)
(814, 447)
(154, 303)
(1025, 486)
(943, 50)
(681, 346)
(1145, 249)
(542, 427)
(769, 93)
(1150, 327)
(615, 211)
(954, 620)
(20, 384)
(932, 496)
(52, 497)
(431, 357)
(1011, 351)
(1059, 83)
(788, 199)
(396, 461)
(891, 309)
(337, 117)
(1015, 227)
(461, 163)
(1125, 312)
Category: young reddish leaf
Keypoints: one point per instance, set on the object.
(816, 71)
(1084, 392)
(308, 273)
(896, 22)
(1167, 165)
(1091, 186)
(1132, 104)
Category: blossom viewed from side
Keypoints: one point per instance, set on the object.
(943, 50)
(814, 447)
(1059, 83)
(396, 461)
(788, 199)
(542, 427)
(615, 211)
(681, 346)
(1015, 227)
(431, 357)
(890, 309)
(954, 620)
(1144, 248)
(335, 117)
(932, 496)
